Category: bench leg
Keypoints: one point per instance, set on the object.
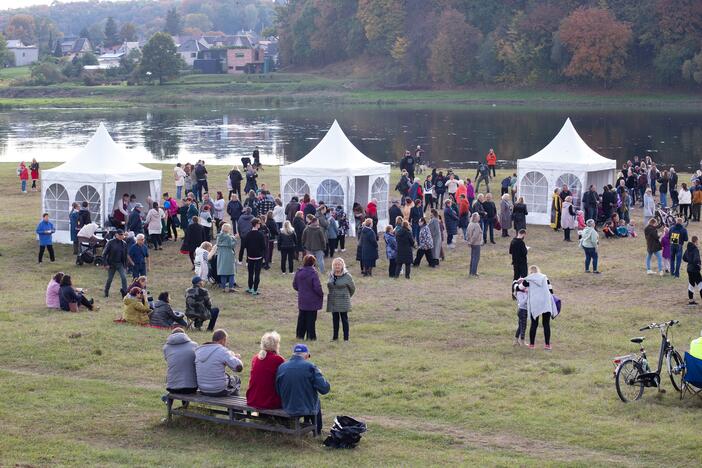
(169, 406)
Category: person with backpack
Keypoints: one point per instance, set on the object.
(678, 237)
(403, 186)
(692, 257)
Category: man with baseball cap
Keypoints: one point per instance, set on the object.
(298, 382)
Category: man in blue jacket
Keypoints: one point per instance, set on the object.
(45, 230)
(298, 382)
(678, 237)
(134, 223)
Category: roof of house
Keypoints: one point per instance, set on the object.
(192, 45)
(80, 44)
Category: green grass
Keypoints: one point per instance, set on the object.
(430, 365)
(13, 73)
(299, 88)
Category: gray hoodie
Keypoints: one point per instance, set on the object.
(211, 360)
(179, 352)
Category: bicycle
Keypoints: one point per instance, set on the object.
(632, 373)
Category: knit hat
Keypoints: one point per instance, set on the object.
(197, 280)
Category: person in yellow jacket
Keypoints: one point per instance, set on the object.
(136, 310)
(696, 347)
(556, 206)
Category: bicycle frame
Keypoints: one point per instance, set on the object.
(650, 378)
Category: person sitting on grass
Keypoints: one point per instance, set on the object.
(211, 361)
(52, 291)
(298, 382)
(264, 365)
(198, 306)
(163, 314)
(179, 353)
(70, 298)
(136, 309)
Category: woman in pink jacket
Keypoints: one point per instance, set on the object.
(52, 291)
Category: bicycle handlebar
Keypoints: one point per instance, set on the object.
(668, 323)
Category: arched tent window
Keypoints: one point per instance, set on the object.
(574, 185)
(534, 189)
(57, 205)
(331, 193)
(379, 191)
(89, 194)
(295, 188)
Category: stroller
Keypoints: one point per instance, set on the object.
(212, 276)
(92, 253)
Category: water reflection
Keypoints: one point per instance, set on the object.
(449, 135)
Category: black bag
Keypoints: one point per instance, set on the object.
(345, 433)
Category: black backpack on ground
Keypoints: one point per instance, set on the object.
(345, 433)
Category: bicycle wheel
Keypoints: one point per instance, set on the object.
(628, 388)
(675, 369)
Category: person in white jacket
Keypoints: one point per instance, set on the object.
(684, 201)
(540, 303)
(153, 225)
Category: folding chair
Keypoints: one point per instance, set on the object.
(692, 379)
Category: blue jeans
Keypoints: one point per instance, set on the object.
(488, 223)
(415, 232)
(659, 257)
(179, 192)
(590, 254)
(224, 279)
(111, 274)
(24, 185)
(138, 269)
(664, 199)
(675, 260)
(319, 255)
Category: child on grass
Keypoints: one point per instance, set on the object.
(519, 293)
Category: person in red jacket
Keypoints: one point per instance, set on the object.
(23, 174)
(34, 171)
(264, 365)
(491, 160)
(372, 212)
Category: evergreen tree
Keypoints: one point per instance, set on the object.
(173, 22)
(111, 33)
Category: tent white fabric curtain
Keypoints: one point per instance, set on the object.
(336, 159)
(92, 175)
(567, 159)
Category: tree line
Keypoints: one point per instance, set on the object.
(516, 42)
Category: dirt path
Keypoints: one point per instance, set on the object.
(504, 441)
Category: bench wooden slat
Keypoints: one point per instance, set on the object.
(229, 402)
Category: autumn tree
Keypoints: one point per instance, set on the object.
(383, 22)
(7, 58)
(454, 50)
(160, 58)
(22, 27)
(197, 21)
(598, 44)
(128, 32)
(111, 33)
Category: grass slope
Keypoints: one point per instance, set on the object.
(430, 364)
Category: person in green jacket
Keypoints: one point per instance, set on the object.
(589, 240)
(341, 288)
(226, 269)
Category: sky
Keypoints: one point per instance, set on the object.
(9, 4)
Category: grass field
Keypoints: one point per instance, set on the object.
(430, 365)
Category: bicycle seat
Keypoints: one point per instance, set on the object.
(638, 339)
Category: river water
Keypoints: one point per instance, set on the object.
(451, 136)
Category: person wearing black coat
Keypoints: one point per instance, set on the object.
(83, 216)
(518, 250)
(609, 202)
(368, 243)
(255, 246)
(489, 219)
(451, 223)
(291, 209)
(115, 257)
(194, 237)
(287, 244)
(235, 179)
(519, 214)
(590, 199)
(134, 223)
(234, 210)
(405, 244)
(692, 257)
(416, 212)
(393, 212)
(299, 226)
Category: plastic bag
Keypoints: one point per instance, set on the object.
(345, 433)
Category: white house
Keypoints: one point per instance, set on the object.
(24, 54)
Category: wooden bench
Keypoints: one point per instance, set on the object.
(234, 411)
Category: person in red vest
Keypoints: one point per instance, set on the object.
(264, 365)
(491, 159)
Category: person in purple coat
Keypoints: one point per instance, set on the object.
(309, 298)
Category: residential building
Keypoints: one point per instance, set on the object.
(244, 60)
(189, 49)
(72, 47)
(211, 61)
(24, 54)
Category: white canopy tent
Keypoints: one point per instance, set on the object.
(566, 160)
(97, 174)
(337, 173)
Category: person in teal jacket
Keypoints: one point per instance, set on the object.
(45, 230)
(298, 382)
